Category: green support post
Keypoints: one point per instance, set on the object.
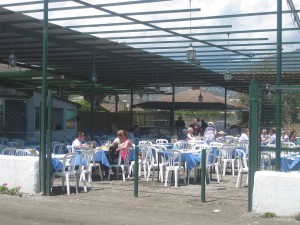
(44, 99)
(278, 83)
(49, 145)
(254, 141)
(92, 111)
(203, 175)
(136, 171)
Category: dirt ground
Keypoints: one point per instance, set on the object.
(112, 202)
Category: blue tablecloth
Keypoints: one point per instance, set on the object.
(290, 164)
(100, 156)
(57, 165)
(167, 145)
(191, 159)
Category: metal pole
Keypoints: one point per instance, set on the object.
(136, 171)
(49, 145)
(203, 174)
(225, 111)
(172, 124)
(254, 141)
(278, 83)
(116, 103)
(131, 107)
(92, 111)
(44, 98)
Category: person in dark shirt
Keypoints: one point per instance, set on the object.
(196, 127)
(183, 135)
(179, 125)
(203, 127)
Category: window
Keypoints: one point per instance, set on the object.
(70, 118)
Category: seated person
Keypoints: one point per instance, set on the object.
(190, 134)
(293, 139)
(264, 135)
(124, 143)
(284, 137)
(245, 135)
(210, 133)
(221, 137)
(183, 136)
(77, 143)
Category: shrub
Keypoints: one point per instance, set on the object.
(9, 191)
(268, 215)
(297, 217)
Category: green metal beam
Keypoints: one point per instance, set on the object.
(155, 27)
(127, 14)
(82, 7)
(148, 30)
(195, 18)
(200, 34)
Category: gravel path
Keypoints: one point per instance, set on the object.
(113, 203)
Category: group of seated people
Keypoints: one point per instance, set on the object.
(270, 138)
(210, 134)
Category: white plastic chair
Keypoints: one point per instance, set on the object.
(59, 148)
(122, 165)
(96, 165)
(174, 164)
(142, 161)
(152, 158)
(161, 141)
(213, 162)
(228, 156)
(145, 143)
(69, 148)
(9, 151)
(181, 145)
(198, 148)
(86, 169)
(13, 144)
(265, 161)
(243, 167)
(69, 170)
(23, 152)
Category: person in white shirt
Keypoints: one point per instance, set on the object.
(245, 135)
(190, 134)
(77, 143)
(284, 137)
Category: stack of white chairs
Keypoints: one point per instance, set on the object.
(142, 161)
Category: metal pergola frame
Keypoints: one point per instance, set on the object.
(125, 67)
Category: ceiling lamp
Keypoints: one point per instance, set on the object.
(12, 60)
(200, 97)
(227, 74)
(94, 75)
(191, 53)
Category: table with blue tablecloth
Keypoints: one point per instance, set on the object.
(290, 164)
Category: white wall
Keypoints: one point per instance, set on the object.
(276, 192)
(20, 171)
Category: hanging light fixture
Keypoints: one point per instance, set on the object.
(12, 60)
(94, 75)
(191, 53)
(200, 97)
(157, 88)
(227, 74)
